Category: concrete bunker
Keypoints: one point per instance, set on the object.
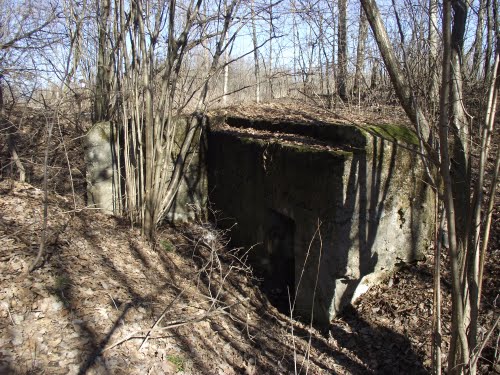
(327, 209)
(354, 199)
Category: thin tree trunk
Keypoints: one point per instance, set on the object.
(477, 256)
(478, 42)
(295, 40)
(433, 55)
(489, 38)
(360, 52)
(255, 54)
(374, 78)
(226, 73)
(458, 354)
(271, 57)
(437, 337)
(320, 57)
(102, 96)
(342, 50)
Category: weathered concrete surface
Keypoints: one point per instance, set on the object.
(368, 199)
(101, 168)
(190, 202)
(363, 190)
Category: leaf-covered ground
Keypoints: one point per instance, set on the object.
(105, 301)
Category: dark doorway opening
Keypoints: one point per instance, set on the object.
(279, 275)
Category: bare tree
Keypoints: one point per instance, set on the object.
(148, 54)
(255, 53)
(453, 164)
(360, 53)
(342, 50)
(395, 71)
(22, 29)
(433, 54)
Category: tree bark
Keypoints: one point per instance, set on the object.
(360, 52)
(398, 79)
(342, 50)
(255, 53)
(433, 55)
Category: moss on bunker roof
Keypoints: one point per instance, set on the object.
(312, 127)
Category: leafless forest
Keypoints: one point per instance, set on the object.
(140, 64)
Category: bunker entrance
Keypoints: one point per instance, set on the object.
(279, 273)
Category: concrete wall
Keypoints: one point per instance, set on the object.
(103, 178)
(190, 203)
(373, 208)
(101, 173)
(365, 193)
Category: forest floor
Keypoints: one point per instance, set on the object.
(105, 301)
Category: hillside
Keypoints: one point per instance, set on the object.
(105, 301)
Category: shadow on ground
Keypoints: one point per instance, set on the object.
(102, 289)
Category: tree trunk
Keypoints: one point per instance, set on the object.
(295, 40)
(478, 42)
(271, 57)
(255, 54)
(433, 55)
(342, 50)
(489, 38)
(225, 88)
(102, 94)
(454, 168)
(360, 52)
(374, 75)
(398, 79)
(456, 359)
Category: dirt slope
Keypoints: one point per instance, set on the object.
(102, 290)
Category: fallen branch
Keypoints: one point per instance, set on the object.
(172, 325)
(160, 319)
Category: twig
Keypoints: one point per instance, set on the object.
(174, 325)
(477, 354)
(160, 318)
(436, 318)
(10, 316)
(308, 353)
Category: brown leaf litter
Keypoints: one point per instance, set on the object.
(103, 289)
(105, 301)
